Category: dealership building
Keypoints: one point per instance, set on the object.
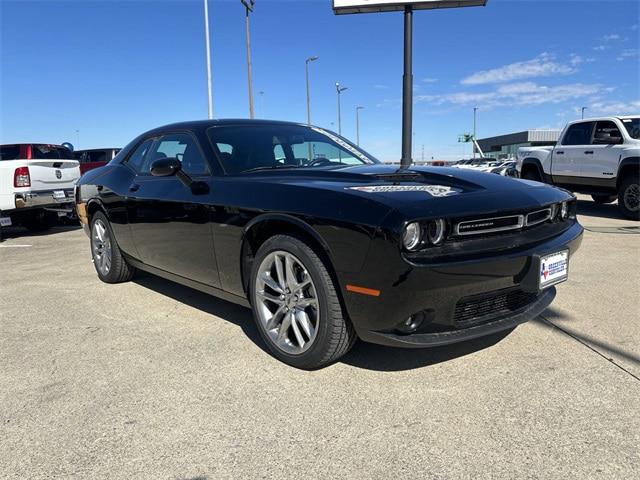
(506, 146)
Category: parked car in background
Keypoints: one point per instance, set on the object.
(599, 157)
(95, 157)
(36, 184)
(506, 169)
(324, 242)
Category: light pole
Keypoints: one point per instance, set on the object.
(583, 109)
(339, 89)
(306, 71)
(358, 124)
(208, 50)
(248, 5)
(475, 109)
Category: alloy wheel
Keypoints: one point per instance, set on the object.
(101, 247)
(632, 197)
(286, 302)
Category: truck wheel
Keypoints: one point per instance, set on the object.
(39, 220)
(602, 199)
(531, 174)
(296, 305)
(629, 197)
(107, 258)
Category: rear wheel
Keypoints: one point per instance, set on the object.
(602, 199)
(531, 174)
(296, 305)
(107, 258)
(39, 220)
(629, 197)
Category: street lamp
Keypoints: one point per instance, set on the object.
(475, 109)
(306, 71)
(358, 124)
(339, 89)
(583, 109)
(248, 5)
(208, 50)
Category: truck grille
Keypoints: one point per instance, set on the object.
(476, 310)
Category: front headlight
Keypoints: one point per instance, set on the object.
(564, 210)
(436, 231)
(411, 236)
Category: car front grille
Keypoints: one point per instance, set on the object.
(490, 225)
(471, 311)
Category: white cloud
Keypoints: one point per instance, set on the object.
(429, 80)
(516, 94)
(627, 53)
(611, 37)
(600, 48)
(543, 65)
(614, 108)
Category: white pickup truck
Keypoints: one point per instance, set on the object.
(598, 156)
(36, 184)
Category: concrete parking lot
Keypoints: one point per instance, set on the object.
(153, 380)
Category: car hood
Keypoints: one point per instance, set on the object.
(422, 192)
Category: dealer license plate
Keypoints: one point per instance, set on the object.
(59, 195)
(554, 268)
(5, 222)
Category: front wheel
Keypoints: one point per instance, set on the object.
(531, 174)
(296, 306)
(603, 199)
(629, 197)
(107, 258)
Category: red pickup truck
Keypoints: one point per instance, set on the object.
(95, 157)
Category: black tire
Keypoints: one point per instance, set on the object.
(629, 196)
(39, 221)
(334, 333)
(531, 174)
(603, 199)
(119, 270)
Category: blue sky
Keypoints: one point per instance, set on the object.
(113, 69)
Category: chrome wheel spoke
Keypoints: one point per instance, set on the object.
(303, 320)
(271, 298)
(101, 247)
(270, 282)
(284, 327)
(307, 302)
(296, 330)
(275, 318)
(279, 271)
(292, 283)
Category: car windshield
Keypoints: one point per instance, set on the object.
(262, 147)
(633, 127)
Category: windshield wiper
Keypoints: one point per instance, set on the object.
(270, 167)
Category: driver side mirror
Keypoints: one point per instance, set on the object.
(166, 167)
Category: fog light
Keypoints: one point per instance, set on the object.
(564, 210)
(436, 231)
(411, 236)
(411, 324)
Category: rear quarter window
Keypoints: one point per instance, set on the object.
(9, 152)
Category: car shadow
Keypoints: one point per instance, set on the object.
(608, 210)
(363, 355)
(228, 311)
(391, 359)
(20, 232)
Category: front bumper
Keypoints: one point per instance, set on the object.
(502, 287)
(48, 199)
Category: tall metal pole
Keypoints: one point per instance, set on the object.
(306, 69)
(358, 125)
(208, 50)
(407, 88)
(475, 109)
(249, 74)
(339, 89)
(583, 109)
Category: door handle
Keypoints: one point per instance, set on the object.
(134, 187)
(99, 187)
(560, 153)
(588, 152)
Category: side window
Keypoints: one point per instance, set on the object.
(606, 133)
(578, 134)
(136, 159)
(181, 146)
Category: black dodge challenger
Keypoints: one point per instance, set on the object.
(324, 242)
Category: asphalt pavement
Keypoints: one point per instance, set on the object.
(150, 379)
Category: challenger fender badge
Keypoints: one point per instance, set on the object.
(433, 190)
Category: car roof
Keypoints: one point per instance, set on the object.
(199, 124)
